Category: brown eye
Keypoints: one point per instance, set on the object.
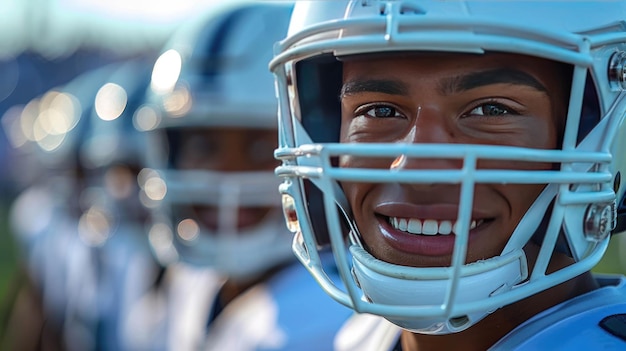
(491, 110)
(378, 111)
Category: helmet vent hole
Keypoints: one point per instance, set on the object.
(459, 322)
(403, 9)
(411, 9)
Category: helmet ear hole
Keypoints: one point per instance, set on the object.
(459, 322)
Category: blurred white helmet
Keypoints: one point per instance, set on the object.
(210, 80)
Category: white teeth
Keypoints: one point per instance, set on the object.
(445, 227)
(415, 226)
(473, 225)
(402, 225)
(428, 226)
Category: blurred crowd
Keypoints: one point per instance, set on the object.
(140, 210)
(140, 205)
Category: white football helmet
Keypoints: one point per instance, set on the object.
(580, 207)
(213, 75)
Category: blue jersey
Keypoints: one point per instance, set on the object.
(593, 321)
(287, 312)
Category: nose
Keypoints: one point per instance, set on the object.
(428, 127)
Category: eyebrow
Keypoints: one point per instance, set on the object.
(447, 86)
(493, 76)
(385, 86)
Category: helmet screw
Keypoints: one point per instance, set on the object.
(290, 214)
(599, 221)
(617, 71)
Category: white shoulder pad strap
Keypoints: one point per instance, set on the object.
(366, 332)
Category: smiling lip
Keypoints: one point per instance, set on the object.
(425, 245)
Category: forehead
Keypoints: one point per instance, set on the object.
(437, 66)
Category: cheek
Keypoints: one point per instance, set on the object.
(541, 134)
(539, 129)
(519, 197)
(353, 130)
(530, 132)
(357, 194)
(351, 191)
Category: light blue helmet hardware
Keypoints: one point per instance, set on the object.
(617, 71)
(213, 74)
(582, 204)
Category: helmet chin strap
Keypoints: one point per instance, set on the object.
(420, 287)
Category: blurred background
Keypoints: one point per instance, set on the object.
(47, 43)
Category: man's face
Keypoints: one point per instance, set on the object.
(492, 99)
(227, 150)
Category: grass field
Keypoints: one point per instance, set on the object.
(8, 264)
(612, 261)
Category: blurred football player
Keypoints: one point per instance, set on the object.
(44, 217)
(217, 224)
(113, 220)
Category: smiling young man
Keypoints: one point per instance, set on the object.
(465, 169)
